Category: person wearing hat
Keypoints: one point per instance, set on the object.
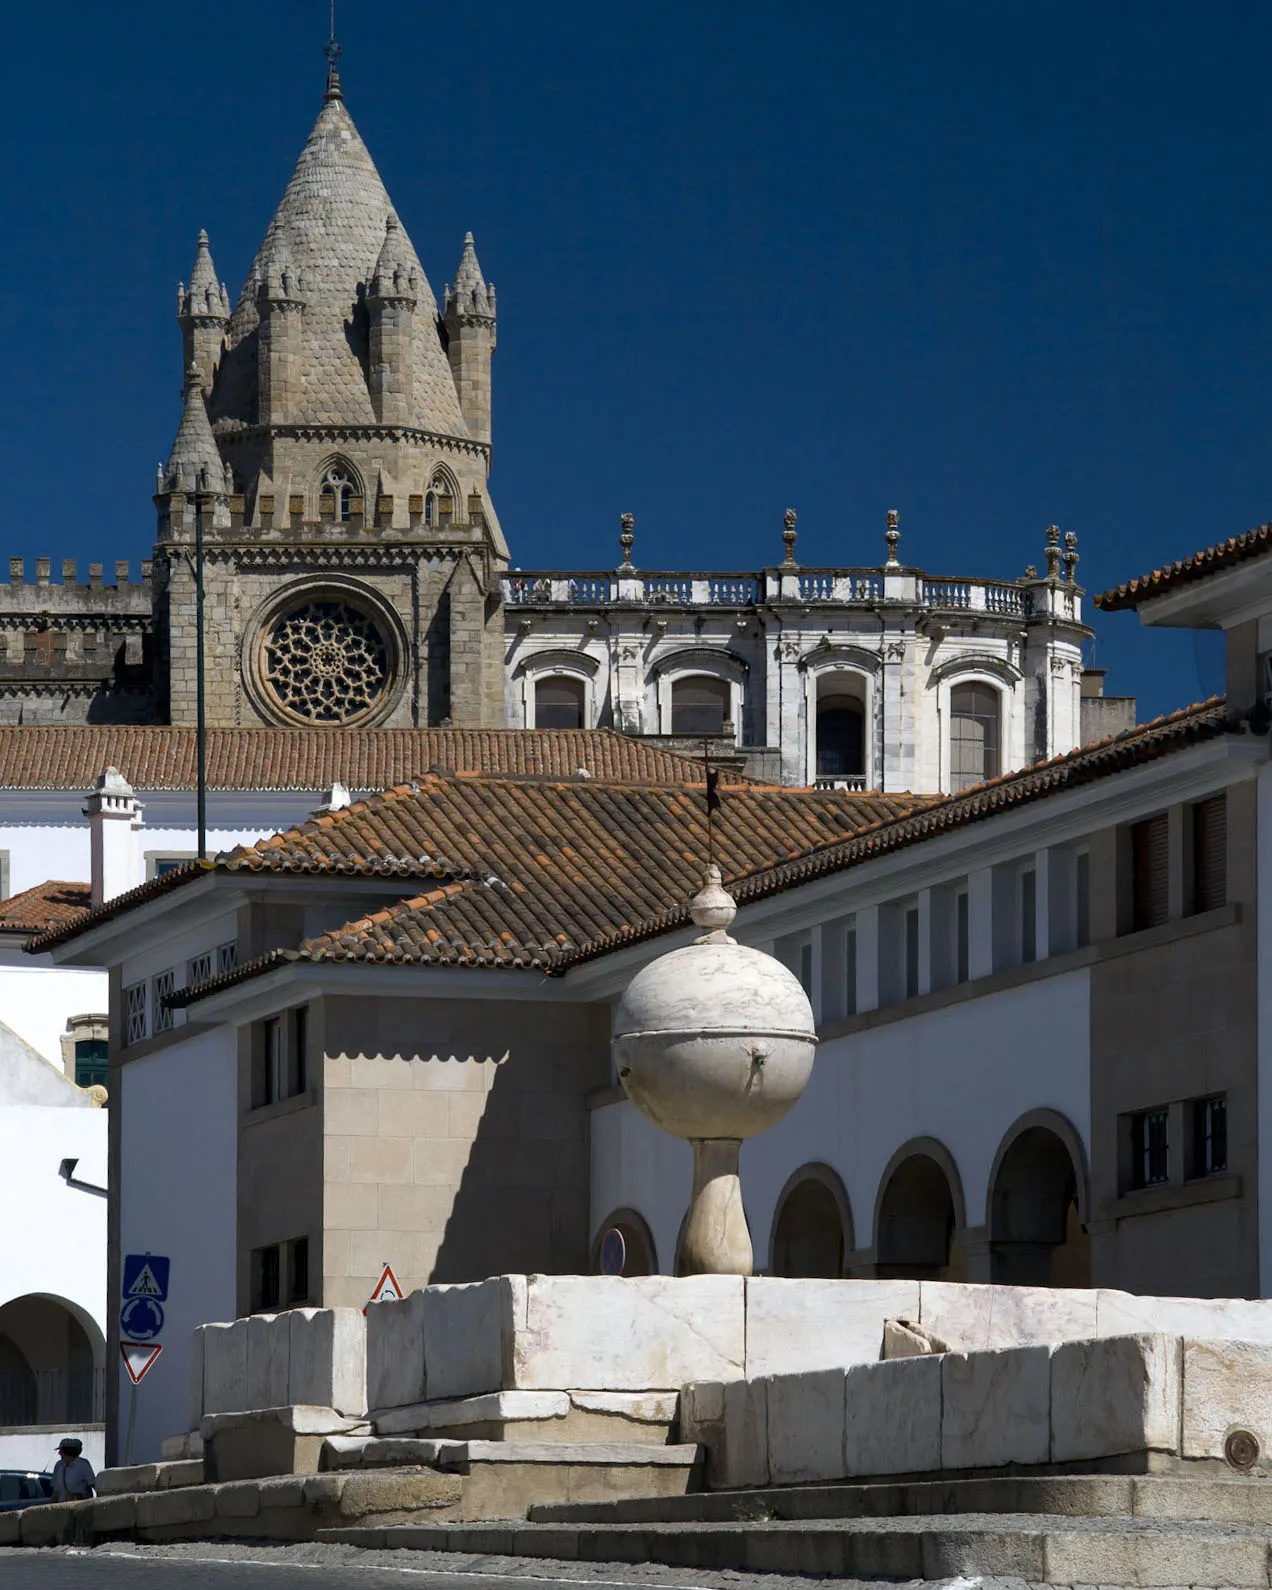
(73, 1477)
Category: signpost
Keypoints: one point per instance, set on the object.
(613, 1252)
(385, 1290)
(143, 1292)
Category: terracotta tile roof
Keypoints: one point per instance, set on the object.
(577, 871)
(47, 905)
(72, 757)
(1254, 543)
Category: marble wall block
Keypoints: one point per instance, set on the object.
(892, 1417)
(1119, 1394)
(1226, 1386)
(395, 1358)
(996, 1408)
(806, 1427)
(793, 1325)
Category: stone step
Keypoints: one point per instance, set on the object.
(1233, 1499)
(1033, 1547)
(139, 1477)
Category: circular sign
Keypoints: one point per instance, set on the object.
(141, 1319)
(613, 1252)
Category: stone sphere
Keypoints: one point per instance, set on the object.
(714, 1041)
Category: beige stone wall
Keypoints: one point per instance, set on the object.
(455, 1139)
(1172, 1022)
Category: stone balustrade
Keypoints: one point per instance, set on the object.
(842, 587)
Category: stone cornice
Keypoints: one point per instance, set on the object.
(395, 555)
(346, 434)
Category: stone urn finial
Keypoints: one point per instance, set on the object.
(714, 1043)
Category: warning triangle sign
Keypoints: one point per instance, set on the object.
(139, 1359)
(145, 1284)
(386, 1289)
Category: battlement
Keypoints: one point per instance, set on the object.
(291, 517)
(69, 596)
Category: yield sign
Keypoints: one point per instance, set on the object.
(139, 1358)
(386, 1289)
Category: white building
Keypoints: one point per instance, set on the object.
(52, 1260)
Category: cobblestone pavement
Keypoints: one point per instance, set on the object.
(222, 1566)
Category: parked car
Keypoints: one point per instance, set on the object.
(22, 1487)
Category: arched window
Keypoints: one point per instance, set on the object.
(915, 1225)
(975, 752)
(440, 486)
(808, 1233)
(339, 489)
(841, 739)
(559, 702)
(700, 705)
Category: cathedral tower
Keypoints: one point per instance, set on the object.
(336, 436)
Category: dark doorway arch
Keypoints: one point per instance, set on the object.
(1037, 1206)
(812, 1226)
(919, 1210)
(641, 1256)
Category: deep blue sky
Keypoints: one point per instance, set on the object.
(993, 266)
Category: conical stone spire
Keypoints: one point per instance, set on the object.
(470, 295)
(394, 276)
(205, 297)
(330, 227)
(195, 462)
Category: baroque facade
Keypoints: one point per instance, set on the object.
(336, 443)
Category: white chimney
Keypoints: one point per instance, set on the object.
(114, 815)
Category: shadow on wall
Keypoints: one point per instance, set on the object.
(521, 1203)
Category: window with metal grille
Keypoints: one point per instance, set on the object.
(1210, 1135)
(975, 710)
(1210, 853)
(266, 1263)
(226, 956)
(700, 705)
(161, 986)
(198, 968)
(1150, 1148)
(134, 1012)
(1150, 872)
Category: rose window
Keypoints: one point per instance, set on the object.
(327, 662)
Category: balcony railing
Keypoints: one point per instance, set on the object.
(851, 781)
(837, 587)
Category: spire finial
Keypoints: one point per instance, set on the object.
(1053, 551)
(333, 52)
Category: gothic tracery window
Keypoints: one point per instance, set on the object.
(327, 662)
(338, 489)
(440, 486)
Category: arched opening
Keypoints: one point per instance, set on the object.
(1036, 1233)
(559, 702)
(338, 489)
(808, 1230)
(975, 734)
(51, 1366)
(439, 487)
(700, 705)
(639, 1254)
(841, 729)
(916, 1223)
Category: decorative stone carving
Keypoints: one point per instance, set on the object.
(326, 662)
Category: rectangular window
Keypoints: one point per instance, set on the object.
(911, 951)
(1210, 854)
(298, 1263)
(267, 1278)
(134, 1012)
(850, 972)
(1210, 1135)
(1150, 1148)
(1082, 899)
(199, 969)
(161, 986)
(1150, 872)
(962, 937)
(226, 956)
(300, 1050)
(806, 968)
(1028, 916)
(159, 866)
(271, 1060)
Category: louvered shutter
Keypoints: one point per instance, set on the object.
(1210, 853)
(1150, 864)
